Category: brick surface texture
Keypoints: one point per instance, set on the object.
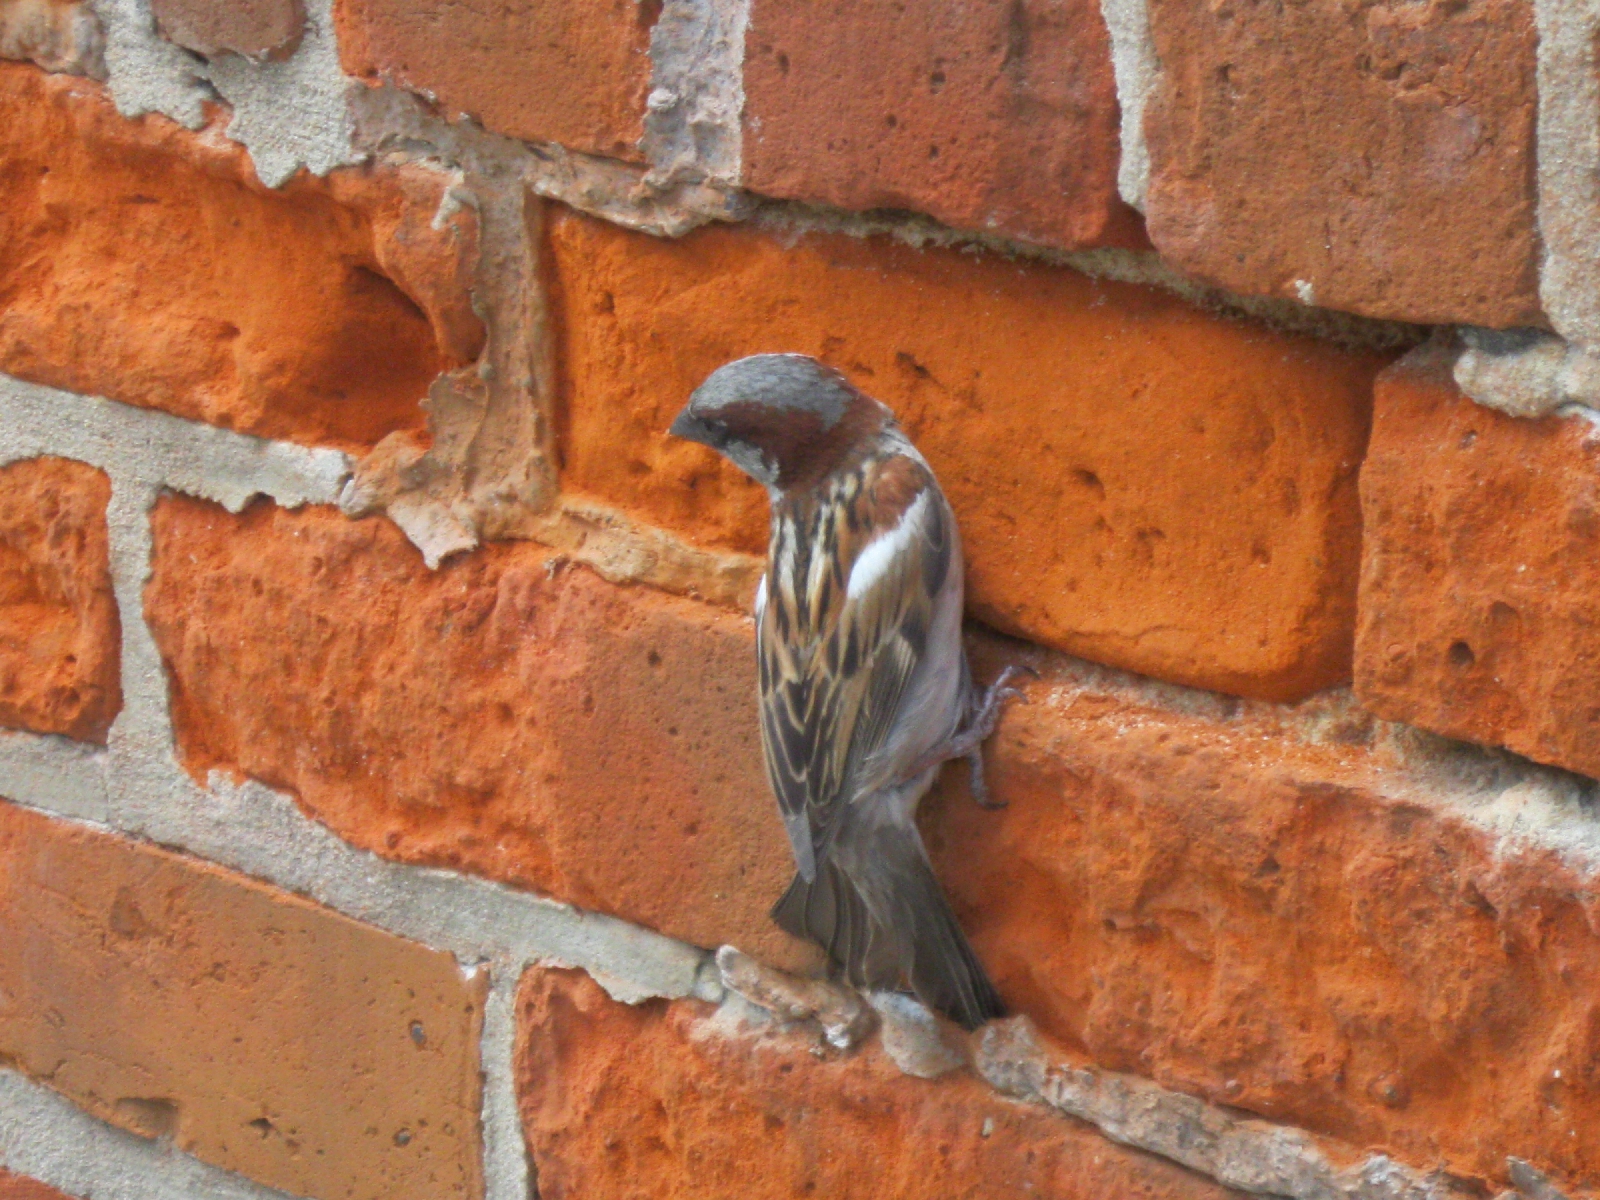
(1189, 505)
(1264, 916)
(59, 631)
(1379, 159)
(570, 73)
(667, 1101)
(506, 716)
(989, 115)
(20, 1187)
(255, 1030)
(145, 263)
(1479, 571)
(1296, 865)
(254, 28)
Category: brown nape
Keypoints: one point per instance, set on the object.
(797, 442)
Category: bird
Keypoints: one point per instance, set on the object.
(865, 688)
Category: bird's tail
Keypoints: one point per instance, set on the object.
(884, 921)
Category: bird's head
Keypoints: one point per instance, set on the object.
(780, 418)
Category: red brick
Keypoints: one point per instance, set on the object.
(256, 1030)
(1251, 904)
(993, 115)
(667, 1101)
(1242, 901)
(533, 69)
(503, 715)
(1363, 156)
(1480, 569)
(60, 637)
(254, 28)
(147, 263)
(1137, 481)
(20, 1187)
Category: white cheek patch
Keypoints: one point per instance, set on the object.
(761, 598)
(875, 561)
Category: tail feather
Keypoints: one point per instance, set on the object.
(889, 926)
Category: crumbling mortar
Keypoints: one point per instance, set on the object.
(1145, 268)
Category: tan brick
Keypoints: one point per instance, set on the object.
(504, 715)
(667, 1102)
(1365, 156)
(259, 1031)
(1481, 569)
(534, 69)
(1137, 481)
(254, 28)
(1258, 906)
(147, 264)
(60, 636)
(989, 115)
(20, 1187)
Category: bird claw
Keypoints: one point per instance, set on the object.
(980, 787)
(983, 725)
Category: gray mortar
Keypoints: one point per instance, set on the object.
(289, 114)
(1527, 372)
(44, 1136)
(507, 1173)
(1569, 166)
(294, 113)
(1135, 65)
(692, 129)
(1253, 1156)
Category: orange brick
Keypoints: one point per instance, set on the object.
(1480, 569)
(663, 1102)
(60, 637)
(998, 115)
(1242, 901)
(534, 69)
(147, 264)
(1137, 481)
(503, 715)
(258, 1031)
(1252, 906)
(20, 1187)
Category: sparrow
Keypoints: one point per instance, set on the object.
(864, 683)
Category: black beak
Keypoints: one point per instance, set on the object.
(693, 429)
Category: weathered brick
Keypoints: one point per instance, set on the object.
(260, 1032)
(991, 115)
(58, 35)
(20, 1187)
(147, 263)
(1258, 906)
(504, 715)
(570, 73)
(60, 637)
(254, 28)
(1137, 481)
(1480, 569)
(668, 1101)
(1366, 156)
(1242, 901)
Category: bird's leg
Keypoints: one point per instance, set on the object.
(967, 742)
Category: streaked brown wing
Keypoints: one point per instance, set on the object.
(834, 666)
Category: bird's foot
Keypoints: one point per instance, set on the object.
(967, 743)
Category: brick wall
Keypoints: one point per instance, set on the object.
(379, 774)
